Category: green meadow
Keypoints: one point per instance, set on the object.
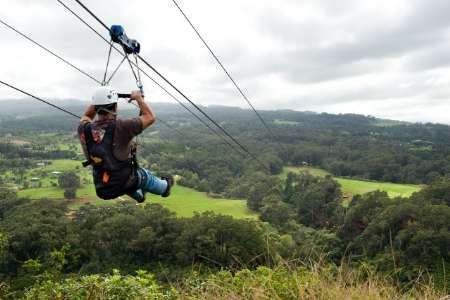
(183, 201)
(351, 187)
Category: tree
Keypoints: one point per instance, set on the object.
(408, 235)
(437, 193)
(289, 188)
(361, 211)
(220, 240)
(317, 243)
(276, 212)
(69, 180)
(261, 187)
(70, 193)
(316, 200)
(274, 162)
(33, 229)
(3, 243)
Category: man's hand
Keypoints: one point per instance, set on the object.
(89, 115)
(137, 96)
(147, 115)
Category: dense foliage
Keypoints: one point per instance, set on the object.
(399, 236)
(302, 217)
(281, 282)
(345, 145)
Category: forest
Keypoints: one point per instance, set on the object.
(303, 220)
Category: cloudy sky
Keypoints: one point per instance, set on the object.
(389, 59)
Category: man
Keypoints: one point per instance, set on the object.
(108, 147)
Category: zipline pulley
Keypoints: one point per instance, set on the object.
(130, 47)
(118, 36)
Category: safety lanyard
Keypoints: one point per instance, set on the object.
(130, 47)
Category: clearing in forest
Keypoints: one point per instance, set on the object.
(351, 187)
(183, 201)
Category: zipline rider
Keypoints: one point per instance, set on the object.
(108, 146)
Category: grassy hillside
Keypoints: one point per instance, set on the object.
(352, 187)
(183, 201)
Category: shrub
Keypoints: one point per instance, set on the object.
(115, 286)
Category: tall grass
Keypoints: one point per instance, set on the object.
(315, 282)
(283, 281)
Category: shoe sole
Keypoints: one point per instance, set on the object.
(170, 183)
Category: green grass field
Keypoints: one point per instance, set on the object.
(85, 193)
(62, 165)
(183, 201)
(351, 187)
(313, 171)
(285, 122)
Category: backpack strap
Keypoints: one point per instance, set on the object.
(112, 177)
(108, 138)
(134, 159)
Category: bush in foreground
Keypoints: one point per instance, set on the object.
(263, 283)
(115, 286)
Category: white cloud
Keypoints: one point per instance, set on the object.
(383, 58)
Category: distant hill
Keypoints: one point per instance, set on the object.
(24, 108)
(30, 107)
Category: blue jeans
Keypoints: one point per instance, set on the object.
(150, 183)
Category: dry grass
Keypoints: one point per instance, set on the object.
(301, 283)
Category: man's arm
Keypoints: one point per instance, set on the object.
(148, 116)
(89, 115)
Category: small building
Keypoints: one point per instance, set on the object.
(55, 173)
(35, 182)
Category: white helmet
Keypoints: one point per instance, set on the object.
(105, 95)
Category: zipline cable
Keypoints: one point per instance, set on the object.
(40, 99)
(165, 123)
(67, 63)
(65, 110)
(153, 80)
(181, 93)
(168, 125)
(202, 111)
(49, 51)
(226, 71)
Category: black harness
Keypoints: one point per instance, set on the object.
(111, 175)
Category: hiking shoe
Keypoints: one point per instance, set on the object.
(138, 195)
(170, 183)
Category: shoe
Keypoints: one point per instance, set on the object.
(170, 183)
(138, 195)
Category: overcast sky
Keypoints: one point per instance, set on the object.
(389, 59)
